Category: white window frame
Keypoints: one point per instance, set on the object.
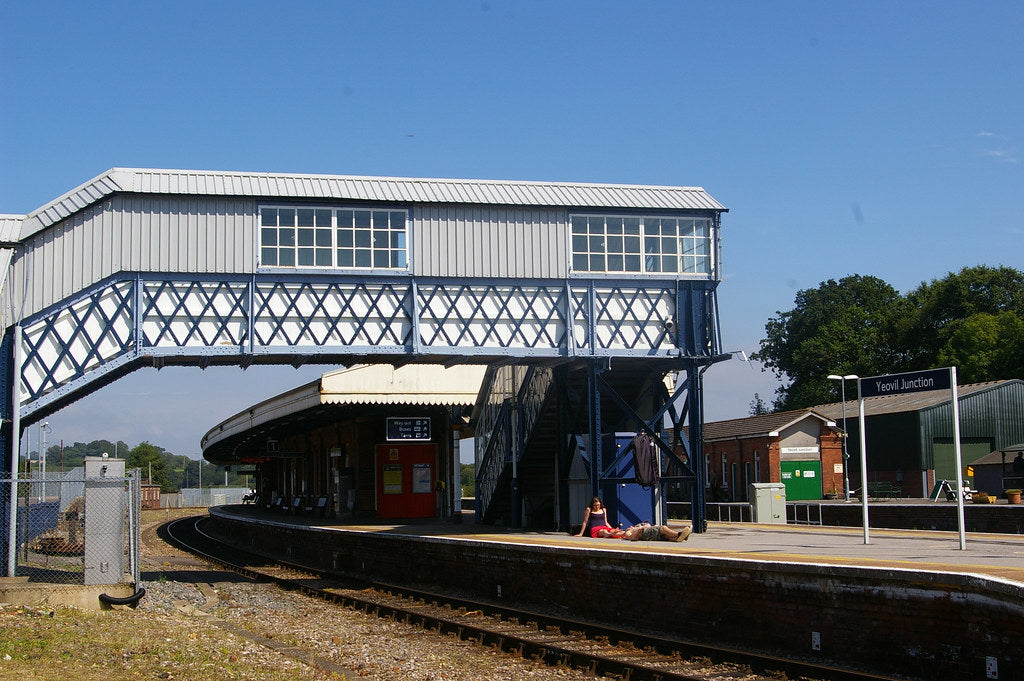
(390, 256)
(642, 244)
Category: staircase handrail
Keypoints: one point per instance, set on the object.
(502, 439)
(494, 458)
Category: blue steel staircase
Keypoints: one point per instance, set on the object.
(522, 437)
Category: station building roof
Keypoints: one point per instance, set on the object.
(760, 425)
(372, 384)
(766, 424)
(895, 404)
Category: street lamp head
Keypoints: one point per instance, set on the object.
(851, 377)
(848, 377)
(834, 377)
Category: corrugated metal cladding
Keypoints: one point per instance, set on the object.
(10, 227)
(479, 241)
(389, 189)
(996, 412)
(205, 222)
(75, 200)
(135, 233)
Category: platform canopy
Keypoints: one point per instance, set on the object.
(372, 384)
(428, 384)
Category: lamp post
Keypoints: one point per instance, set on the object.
(846, 456)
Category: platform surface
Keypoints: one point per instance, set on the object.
(996, 555)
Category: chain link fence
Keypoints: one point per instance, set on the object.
(80, 528)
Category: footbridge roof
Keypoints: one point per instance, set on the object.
(364, 188)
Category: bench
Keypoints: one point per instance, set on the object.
(322, 505)
(884, 490)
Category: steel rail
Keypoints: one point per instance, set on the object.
(597, 649)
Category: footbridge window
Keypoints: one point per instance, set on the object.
(332, 237)
(641, 244)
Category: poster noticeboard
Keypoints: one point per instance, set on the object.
(421, 478)
(392, 478)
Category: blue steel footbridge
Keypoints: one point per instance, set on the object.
(589, 291)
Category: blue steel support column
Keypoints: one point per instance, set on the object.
(7, 382)
(562, 451)
(10, 431)
(659, 398)
(6, 446)
(515, 502)
(594, 425)
(414, 313)
(137, 307)
(695, 393)
(250, 318)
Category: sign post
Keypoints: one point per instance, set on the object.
(912, 382)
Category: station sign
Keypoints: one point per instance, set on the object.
(911, 382)
(408, 428)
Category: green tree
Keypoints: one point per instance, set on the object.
(468, 473)
(151, 459)
(758, 406)
(841, 327)
(938, 309)
(985, 347)
(74, 455)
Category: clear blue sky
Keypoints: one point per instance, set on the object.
(873, 138)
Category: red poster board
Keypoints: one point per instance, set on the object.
(406, 475)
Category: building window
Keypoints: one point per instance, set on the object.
(641, 244)
(332, 237)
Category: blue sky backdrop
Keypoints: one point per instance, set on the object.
(872, 138)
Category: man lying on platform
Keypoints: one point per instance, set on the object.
(648, 532)
(645, 532)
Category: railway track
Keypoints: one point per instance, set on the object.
(599, 650)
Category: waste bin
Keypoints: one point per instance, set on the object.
(768, 502)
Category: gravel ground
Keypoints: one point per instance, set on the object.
(346, 642)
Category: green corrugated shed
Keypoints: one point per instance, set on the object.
(914, 432)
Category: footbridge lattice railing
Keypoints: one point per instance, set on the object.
(302, 317)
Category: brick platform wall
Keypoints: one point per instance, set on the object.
(919, 624)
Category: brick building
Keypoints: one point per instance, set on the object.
(909, 442)
(801, 449)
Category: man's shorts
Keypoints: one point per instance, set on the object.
(649, 533)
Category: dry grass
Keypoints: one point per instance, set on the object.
(129, 645)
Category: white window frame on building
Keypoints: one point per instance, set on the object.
(642, 244)
(318, 237)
